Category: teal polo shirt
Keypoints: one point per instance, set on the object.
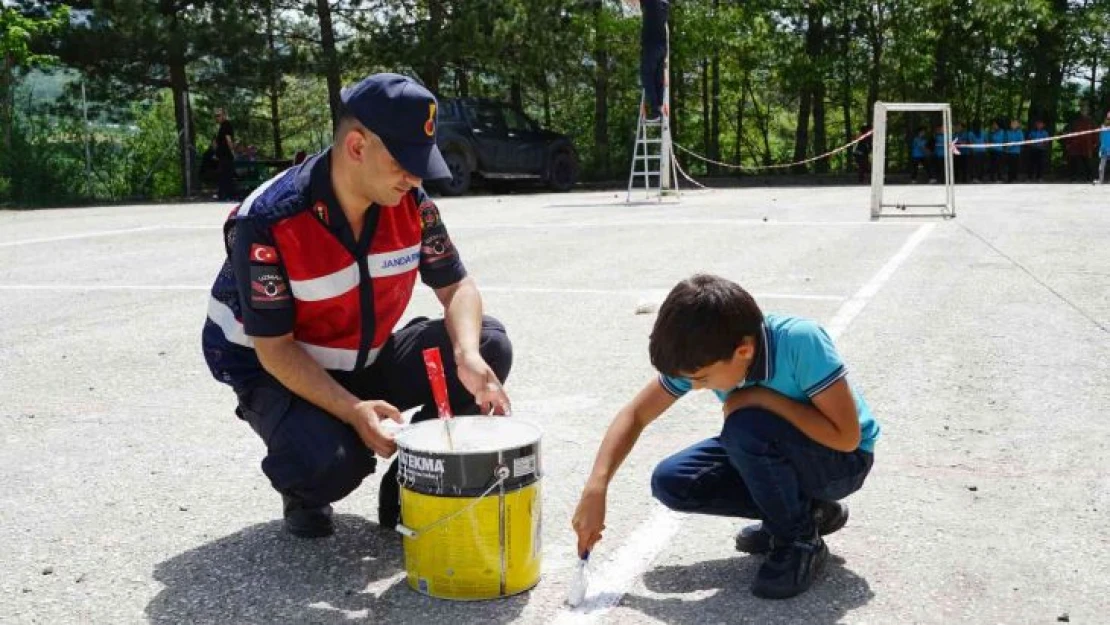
(794, 357)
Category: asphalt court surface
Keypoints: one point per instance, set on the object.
(131, 493)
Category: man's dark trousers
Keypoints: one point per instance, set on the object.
(314, 457)
(653, 53)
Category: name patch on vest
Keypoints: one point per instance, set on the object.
(401, 261)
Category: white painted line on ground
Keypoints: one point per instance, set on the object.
(647, 293)
(106, 233)
(851, 308)
(484, 289)
(610, 581)
(617, 574)
(82, 235)
(673, 222)
(103, 287)
(498, 226)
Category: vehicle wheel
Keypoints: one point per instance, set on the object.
(562, 173)
(460, 175)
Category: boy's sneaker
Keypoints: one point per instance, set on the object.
(790, 569)
(828, 517)
(305, 520)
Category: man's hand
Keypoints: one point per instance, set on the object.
(366, 420)
(476, 375)
(589, 518)
(749, 397)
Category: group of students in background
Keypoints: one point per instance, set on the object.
(990, 156)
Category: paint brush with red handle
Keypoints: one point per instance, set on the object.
(433, 364)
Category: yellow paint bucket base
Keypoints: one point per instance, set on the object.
(461, 559)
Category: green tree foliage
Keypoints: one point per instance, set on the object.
(20, 25)
(753, 81)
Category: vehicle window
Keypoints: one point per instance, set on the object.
(516, 121)
(449, 111)
(485, 117)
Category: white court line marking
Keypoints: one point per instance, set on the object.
(484, 289)
(492, 226)
(675, 222)
(104, 287)
(848, 311)
(83, 235)
(104, 233)
(651, 293)
(617, 573)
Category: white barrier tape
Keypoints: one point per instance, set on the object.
(779, 166)
(957, 144)
(956, 147)
(685, 175)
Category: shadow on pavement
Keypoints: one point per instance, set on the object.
(723, 595)
(262, 575)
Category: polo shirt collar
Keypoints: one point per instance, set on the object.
(763, 365)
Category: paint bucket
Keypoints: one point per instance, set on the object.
(471, 509)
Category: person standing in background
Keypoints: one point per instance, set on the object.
(1080, 149)
(225, 155)
(977, 155)
(653, 55)
(1013, 152)
(997, 138)
(1038, 152)
(1103, 148)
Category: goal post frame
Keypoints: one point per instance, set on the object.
(878, 158)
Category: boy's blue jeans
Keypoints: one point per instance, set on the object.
(760, 467)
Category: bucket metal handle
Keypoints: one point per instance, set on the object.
(501, 473)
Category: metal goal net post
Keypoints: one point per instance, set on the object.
(946, 209)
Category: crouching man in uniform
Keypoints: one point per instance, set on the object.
(321, 263)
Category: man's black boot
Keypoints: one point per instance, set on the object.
(389, 499)
(306, 520)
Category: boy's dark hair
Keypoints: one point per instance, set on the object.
(702, 321)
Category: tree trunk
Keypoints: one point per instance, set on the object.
(846, 93)
(715, 114)
(546, 103)
(462, 80)
(737, 154)
(940, 67)
(515, 95)
(876, 24)
(331, 59)
(601, 95)
(801, 129)
(1048, 67)
(715, 111)
(820, 140)
(813, 89)
(7, 106)
(179, 87)
(433, 69)
(982, 78)
(706, 142)
(761, 120)
(275, 83)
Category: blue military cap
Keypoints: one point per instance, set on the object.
(404, 115)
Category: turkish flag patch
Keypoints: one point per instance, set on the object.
(263, 254)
